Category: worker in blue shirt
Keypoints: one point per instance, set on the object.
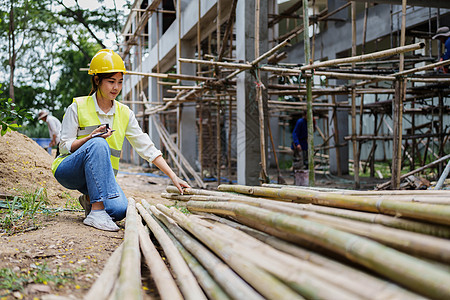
(443, 34)
(300, 144)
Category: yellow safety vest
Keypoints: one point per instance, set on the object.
(88, 121)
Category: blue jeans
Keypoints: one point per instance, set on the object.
(89, 171)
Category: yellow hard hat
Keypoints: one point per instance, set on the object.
(106, 61)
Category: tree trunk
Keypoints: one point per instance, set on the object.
(11, 50)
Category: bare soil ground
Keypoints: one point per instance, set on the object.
(55, 254)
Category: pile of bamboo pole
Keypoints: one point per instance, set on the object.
(248, 242)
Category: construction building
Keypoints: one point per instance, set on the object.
(209, 78)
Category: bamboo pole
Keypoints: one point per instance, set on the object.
(326, 283)
(429, 212)
(199, 49)
(188, 285)
(309, 112)
(398, 111)
(230, 124)
(411, 242)
(167, 288)
(129, 282)
(360, 58)
(228, 31)
(259, 98)
(412, 71)
(336, 137)
(373, 285)
(266, 284)
(444, 175)
(209, 286)
(394, 222)
(104, 284)
(232, 284)
(218, 141)
(364, 57)
(167, 76)
(354, 141)
(393, 264)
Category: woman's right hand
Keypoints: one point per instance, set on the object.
(101, 129)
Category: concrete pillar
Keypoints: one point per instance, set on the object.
(343, 119)
(152, 84)
(248, 141)
(188, 145)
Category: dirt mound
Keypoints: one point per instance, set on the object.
(24, 165)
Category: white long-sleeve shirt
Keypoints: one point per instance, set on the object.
(54, 128)
(139, 140)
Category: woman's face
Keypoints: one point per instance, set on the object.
(110, 87)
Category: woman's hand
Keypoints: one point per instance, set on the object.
(180, 184)
(97, 132)
(163, 166)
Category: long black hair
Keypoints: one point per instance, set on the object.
(101, 76)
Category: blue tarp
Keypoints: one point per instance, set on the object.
(44, 142)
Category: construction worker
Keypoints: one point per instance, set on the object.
(93, 130)
(54, 127)
(300, 143)
(443, 35)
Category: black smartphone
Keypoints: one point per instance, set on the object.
(103, 132)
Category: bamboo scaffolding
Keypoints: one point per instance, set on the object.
(392, 264)
(213, 85)
(429, 212)
(188, 285)
(129, 282)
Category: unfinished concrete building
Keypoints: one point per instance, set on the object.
(210, 78)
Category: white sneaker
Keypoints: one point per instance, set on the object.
(100, 220)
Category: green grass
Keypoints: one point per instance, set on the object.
(38, 273)
(71, 203)
(22, 208)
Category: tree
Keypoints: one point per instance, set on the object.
(43, 43)
(11, 117)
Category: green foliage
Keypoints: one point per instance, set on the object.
(38, 273)
(23, 208)
(35, 130)
(51, 41)
(72, 82)
(11, 116)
